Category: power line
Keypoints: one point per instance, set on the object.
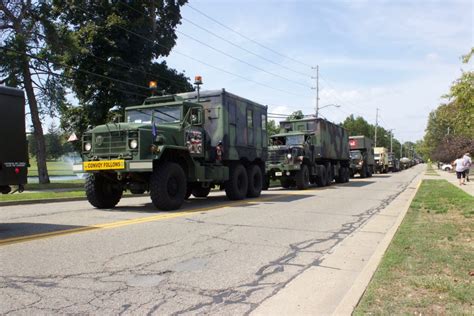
(241, 60)
(246, 37)
(76, 69)
(123, 65)
(205, 63)
(245, 49)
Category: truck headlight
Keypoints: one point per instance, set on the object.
(133, 144)
(288, 156)
(361, 163)
(87, 146)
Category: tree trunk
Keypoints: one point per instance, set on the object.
(38, 129)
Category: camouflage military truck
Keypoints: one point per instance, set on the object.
(381, 159)
(362, 156)
(13, 143)
(177, 145)
(393, 163)
(308, 151)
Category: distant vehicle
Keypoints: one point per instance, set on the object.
(446, 167)
(393, 163)
(13, 143)
(381, 159)
(362, 156)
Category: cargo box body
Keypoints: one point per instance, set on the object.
(239, 123)
(365, 145)
(13, 143)
(330, 141)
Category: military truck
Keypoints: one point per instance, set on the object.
(381, 159)
(308, 151)
(362, 156)
(13, 143)
(176, 145)
(393, 163)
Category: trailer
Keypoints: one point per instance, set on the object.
(13, 143)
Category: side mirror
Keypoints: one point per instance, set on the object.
(196, 116)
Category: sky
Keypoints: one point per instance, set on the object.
(397, 56)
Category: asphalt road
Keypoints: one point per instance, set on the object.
(212, 256)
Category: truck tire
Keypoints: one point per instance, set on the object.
(201, 192)
(286, 183)
(237, 185)
(102, 192)
(255, 181)
(302, 178)
(370, 171)
(341, 178)
(347, 175)
(168, 186)
(321, 179)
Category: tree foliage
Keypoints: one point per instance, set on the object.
(272, 128)
(112, 54)
(452, 123)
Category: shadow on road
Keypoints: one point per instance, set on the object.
(356, 184)
(10, 230)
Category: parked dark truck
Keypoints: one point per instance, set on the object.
(177, 145)
(13, 143)
(308, 151)
(393, 163)
(362, 156)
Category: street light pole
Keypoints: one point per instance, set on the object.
(316, 88)
(391, 139)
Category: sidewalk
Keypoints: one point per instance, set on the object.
(451, 178)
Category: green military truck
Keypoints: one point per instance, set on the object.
(176, 145)
(308, 151)
(362, 156)
(13, 143)
(393, 162)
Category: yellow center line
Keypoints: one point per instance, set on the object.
(161, 216)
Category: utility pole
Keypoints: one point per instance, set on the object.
(376, 125)
(401, 149)
(391, 138)
(316, 88)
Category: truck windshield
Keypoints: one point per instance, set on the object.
(163, 114)
(376, 156)
(355, 155)
(294, 140)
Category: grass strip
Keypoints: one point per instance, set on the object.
(40, 196)
(427, 268)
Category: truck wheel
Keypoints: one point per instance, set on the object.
(168, 186)
(369, 172)
(347, 174)
(201, 192)
(102, 192)
(237, 185)
(321, 179)
(255, 181)
(302, 178)
(266, 183)
(341, 178)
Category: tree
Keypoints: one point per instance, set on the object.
(453, 121)
(54, 143)
(272, 128)
(25, 63)
(114, 52)
(297, 115)
(358, 126)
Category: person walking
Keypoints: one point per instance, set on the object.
(467, 164)
(460, 170)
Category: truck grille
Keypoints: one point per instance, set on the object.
(276, 156)
(110, 143)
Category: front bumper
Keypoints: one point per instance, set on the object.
(280, 170)
(129, 166)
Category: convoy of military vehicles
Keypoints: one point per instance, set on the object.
(175, 146)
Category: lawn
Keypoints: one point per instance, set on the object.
(41, 195)
(55, 168)
(428, 268)
(430, 171)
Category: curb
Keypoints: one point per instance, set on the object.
(353, 296)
